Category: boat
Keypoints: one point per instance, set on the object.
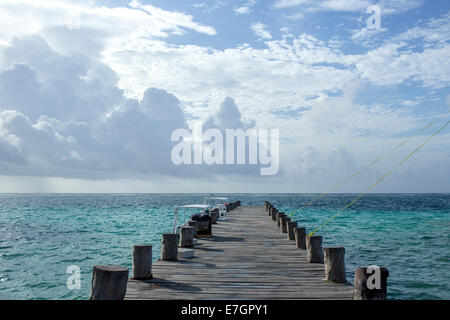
(222, 206)
(204, 225)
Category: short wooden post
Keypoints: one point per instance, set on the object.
(169, 246)
(214, 214)
(279, 216)
(370, 283)
(334, 259)
(284, 222)
(274, 215)
(300, 237)
(109, 283)
(314, 249)
(290, 230)
(142, 262)
(186, 237)
(194, 225)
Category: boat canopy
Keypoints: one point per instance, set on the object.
(218, 198)
(194, 206)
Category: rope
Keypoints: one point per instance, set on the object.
(381, 179)
(369, 165)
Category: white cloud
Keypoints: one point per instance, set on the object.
(107, 25)
(387, 7)
(261, 31)
(368, 37)
(59, 119)
(295, 16)
(288, 3)
(345, 5)
(410, 103)
(246, 8)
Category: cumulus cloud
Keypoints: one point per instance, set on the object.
(227, 116)
(63, 116)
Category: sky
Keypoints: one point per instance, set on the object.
(91, 91)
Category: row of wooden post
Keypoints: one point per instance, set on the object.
(332, 257)
(110, 282)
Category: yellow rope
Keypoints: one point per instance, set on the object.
(381, 179)
(369, 165)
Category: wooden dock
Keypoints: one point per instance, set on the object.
(247, 258)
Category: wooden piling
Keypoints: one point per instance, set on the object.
(334, 260)
(193, 224)
(370, 285)
(109, 283)
(142, 262)
(169, 246)
(300, 237)
(280, 215)
(290, 230)
(274, 215)
(284, 222)
(314, 249)
(186, 237)
(214, 214)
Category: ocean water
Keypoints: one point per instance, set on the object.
(41, 235)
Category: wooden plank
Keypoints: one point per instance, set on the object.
(247, 258)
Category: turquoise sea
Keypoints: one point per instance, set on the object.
(42, 234)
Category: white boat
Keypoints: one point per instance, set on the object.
(204, 208)
(222, 206)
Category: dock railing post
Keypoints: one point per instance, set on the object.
(214, 214)
(334, 260)
(314, 249)
(274, 215)
(280, 215)
(370, 283)
(290, 230)
(186, 237)
(142, 262)
(284, 222)
(169, 246)
(300, 237)
(109, 283)
(194, 225)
